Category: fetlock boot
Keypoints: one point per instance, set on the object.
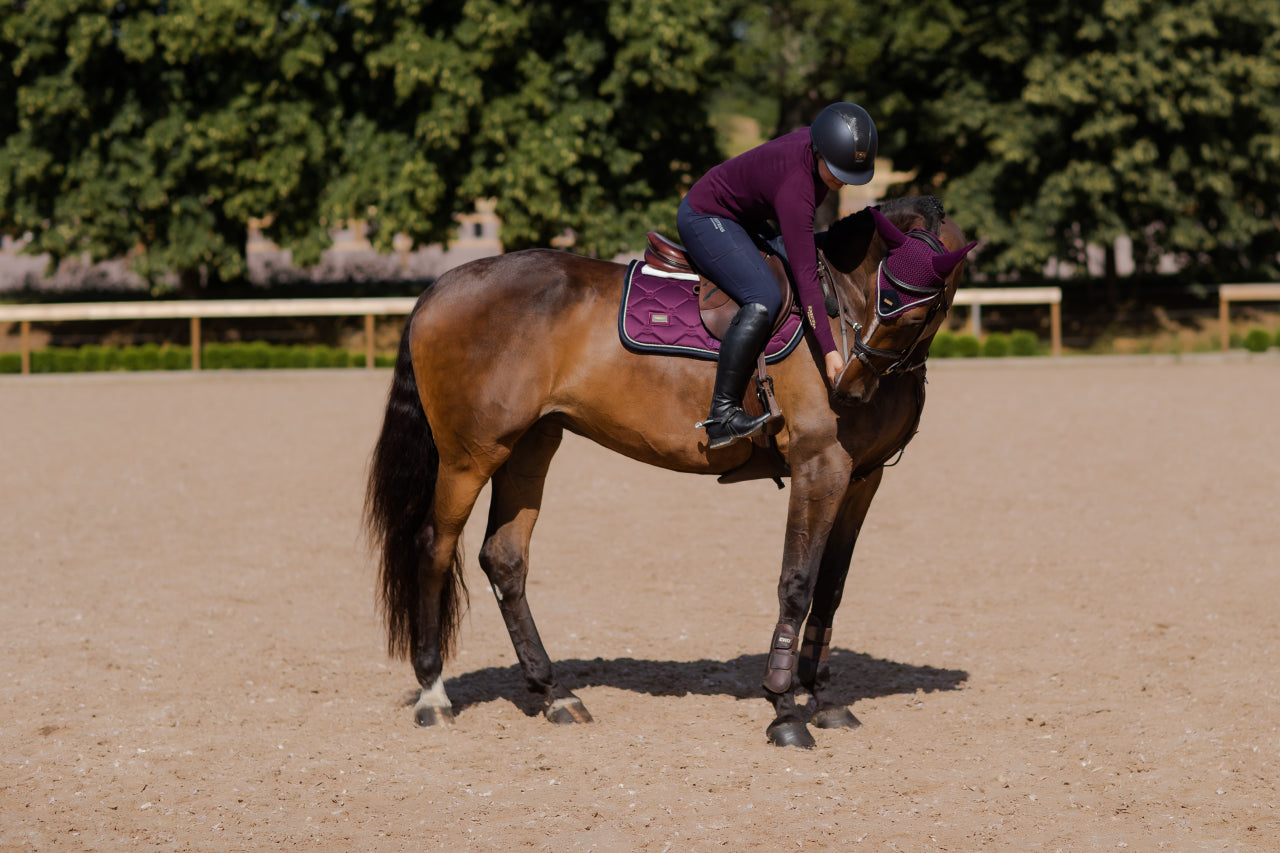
(739, 352)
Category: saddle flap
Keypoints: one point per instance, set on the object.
(718, 307)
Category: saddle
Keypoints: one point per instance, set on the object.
(717, 308)
(664, 257)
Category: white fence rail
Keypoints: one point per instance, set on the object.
(196, 310)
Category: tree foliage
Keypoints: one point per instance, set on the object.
(803, 55)
(164, 127)
(588, 116)
(1049, 128)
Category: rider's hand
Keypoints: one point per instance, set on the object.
(835, 364)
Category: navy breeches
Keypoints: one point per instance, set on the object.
(724, 252)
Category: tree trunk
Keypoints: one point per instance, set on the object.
(189, 281)
(1110, 276)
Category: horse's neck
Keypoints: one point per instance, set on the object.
(855, 287)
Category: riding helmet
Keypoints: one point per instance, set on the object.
(844, 135)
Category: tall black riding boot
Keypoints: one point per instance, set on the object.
(747, 335)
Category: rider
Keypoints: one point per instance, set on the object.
(783, 180)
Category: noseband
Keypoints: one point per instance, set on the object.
(898, 359)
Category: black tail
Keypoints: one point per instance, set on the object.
(397, 505)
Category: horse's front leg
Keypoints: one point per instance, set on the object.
(813, 670)
(818, 488)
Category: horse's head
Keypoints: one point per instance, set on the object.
(900, 296)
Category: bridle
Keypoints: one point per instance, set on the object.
(899, 361)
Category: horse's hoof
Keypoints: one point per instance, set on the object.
(568, 710)
(835, 718)
(791, 734)
(432, 715)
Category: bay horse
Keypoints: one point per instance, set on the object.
(502, 355)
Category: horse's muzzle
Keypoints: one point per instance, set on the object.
(858, 387)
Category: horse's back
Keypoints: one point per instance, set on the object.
(492, 305)
(530, 281)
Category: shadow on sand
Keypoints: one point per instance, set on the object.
(854, 676)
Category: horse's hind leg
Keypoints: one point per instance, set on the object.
(441, 590)
(504, 557)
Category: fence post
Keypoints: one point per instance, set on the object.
(368, 342)
(1055, 326)
(195, 343)
(26, 346)
(1223, 314)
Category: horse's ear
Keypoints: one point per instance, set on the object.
(888, 231)
(944, 264)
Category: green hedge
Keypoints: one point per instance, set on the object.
(1024, 343)
(944, 345)
(967, 346)
(255, 355)
(997, 345)
(1257, 340)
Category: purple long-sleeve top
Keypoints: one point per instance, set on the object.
(777, 180)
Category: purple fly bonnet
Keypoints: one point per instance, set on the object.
(915, 270)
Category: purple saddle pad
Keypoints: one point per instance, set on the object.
(660, 315)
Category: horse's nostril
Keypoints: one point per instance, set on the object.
(847, 397)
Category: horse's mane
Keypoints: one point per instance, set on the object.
(846, 242)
